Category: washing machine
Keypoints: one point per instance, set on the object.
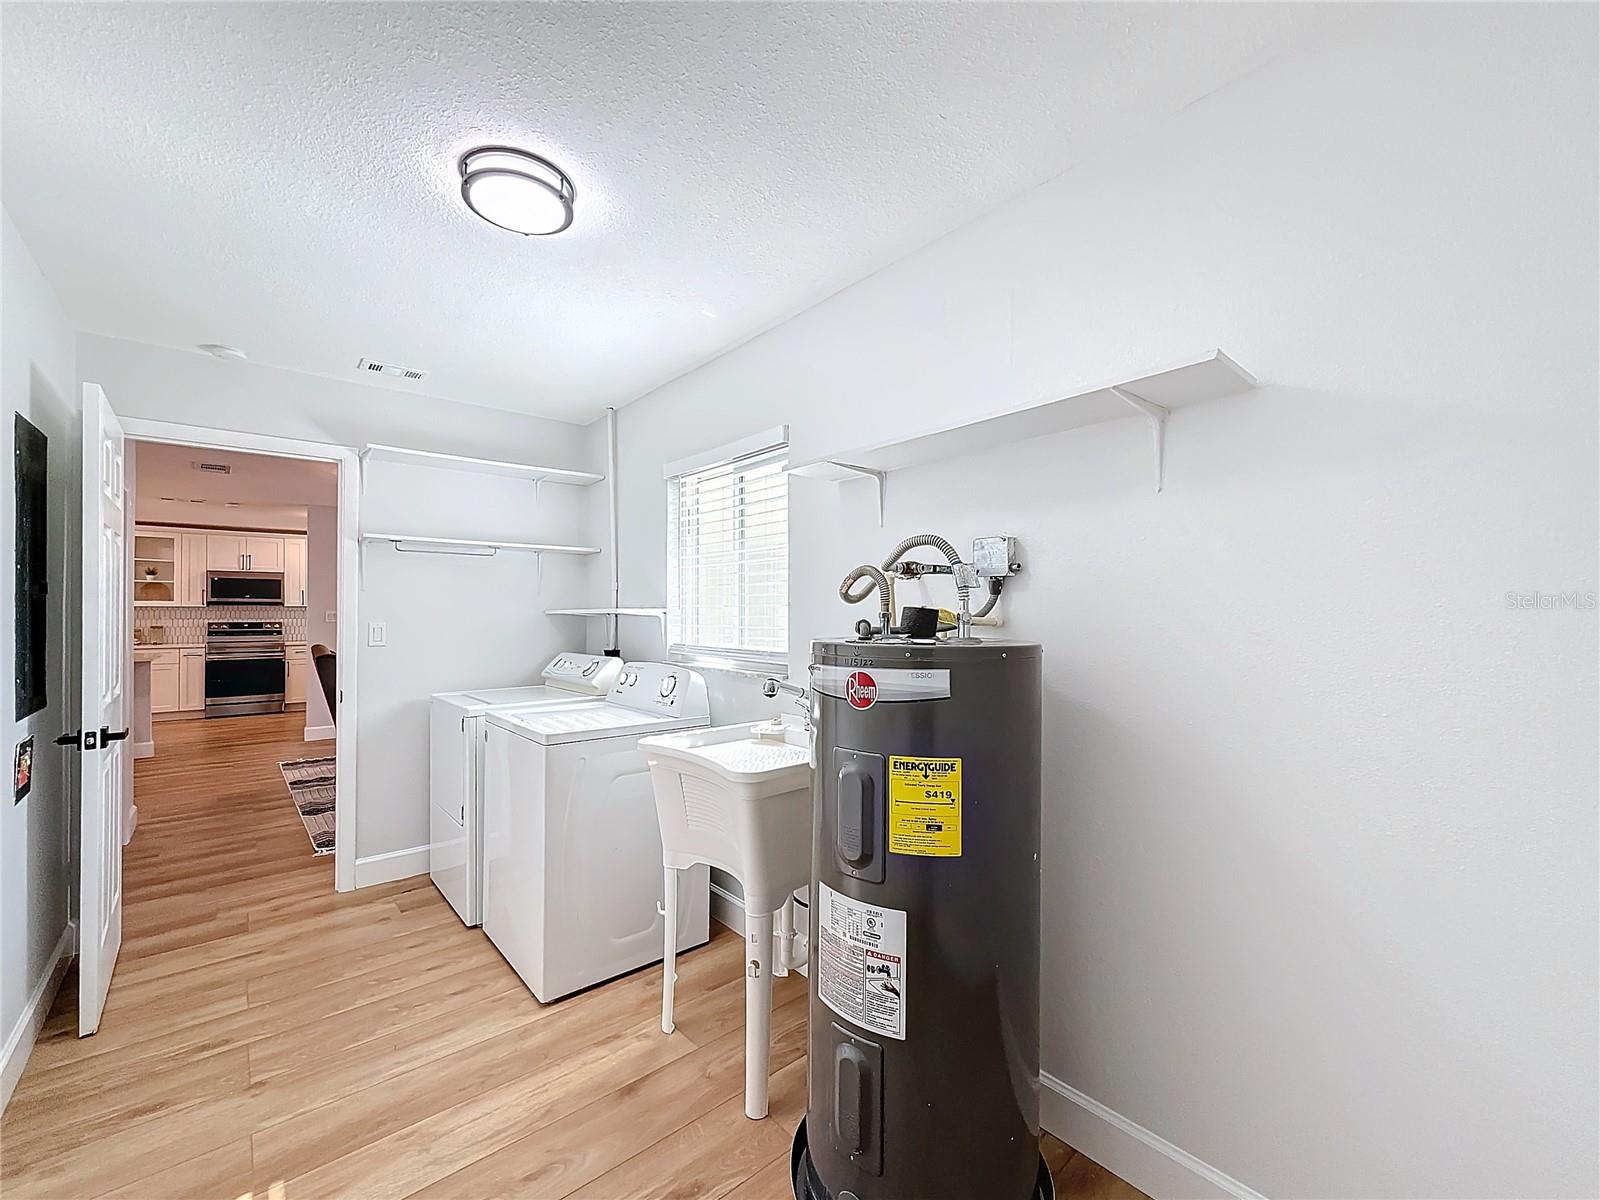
(572, 849)
(455, 768)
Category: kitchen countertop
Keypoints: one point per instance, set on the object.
(140, 646)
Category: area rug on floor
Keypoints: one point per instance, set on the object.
(310, 783)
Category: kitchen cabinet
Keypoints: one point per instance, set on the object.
(155, 566)
(263, 554)
(192, 569)
(243, 552)
(192, 680)
(299, 676)
(164, 681)
(224, 552)
(170, 564)
(294, 570)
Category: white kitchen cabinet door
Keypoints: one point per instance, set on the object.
(191, 681)
(294, 691)
(224, 552)
(294, 570)
(263, 554)
(192, 569)
(164, 683)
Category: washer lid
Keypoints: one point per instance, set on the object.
(587, 721)
(533, 694)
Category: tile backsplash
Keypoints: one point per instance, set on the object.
(187, 626)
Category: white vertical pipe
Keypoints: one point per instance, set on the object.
(783, 936)
(611, 496)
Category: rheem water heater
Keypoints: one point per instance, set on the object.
(924, 926)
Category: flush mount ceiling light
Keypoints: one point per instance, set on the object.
(516, 190)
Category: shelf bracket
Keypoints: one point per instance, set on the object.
(537, 480)
(1157, 415)
(880, 478)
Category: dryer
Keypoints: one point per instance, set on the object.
(455, 768)
(572, 848)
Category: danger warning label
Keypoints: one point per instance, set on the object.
(861, 962)
(925, 806)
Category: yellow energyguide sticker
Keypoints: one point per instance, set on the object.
(925, 806)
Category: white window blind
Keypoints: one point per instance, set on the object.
(728, 562)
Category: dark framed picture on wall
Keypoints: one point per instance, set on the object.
(31, 450)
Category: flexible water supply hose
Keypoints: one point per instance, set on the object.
(885, 591)
(995, 585)
(917, 539)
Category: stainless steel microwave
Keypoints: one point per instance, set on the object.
(245, 588)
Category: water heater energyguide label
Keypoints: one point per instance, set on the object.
(861, 962)
(925, 806)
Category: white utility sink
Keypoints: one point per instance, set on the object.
(738, 797)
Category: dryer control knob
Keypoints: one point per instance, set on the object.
(668, 686)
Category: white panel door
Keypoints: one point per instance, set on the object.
(192, 569)
(294, 570)
(104, 689)
(263, 554)
(224, 552)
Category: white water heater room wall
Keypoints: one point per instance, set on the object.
(1320, 813)
(452, 622)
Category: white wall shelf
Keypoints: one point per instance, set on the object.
(1153, 396)
(659, 615)
(441, 545)
(482, 466)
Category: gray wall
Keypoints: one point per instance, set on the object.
(1320, 824)
(39, 380)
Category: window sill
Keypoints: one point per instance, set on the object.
(730, 666)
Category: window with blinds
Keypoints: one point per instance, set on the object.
(728, 562)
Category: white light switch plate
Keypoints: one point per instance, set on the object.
(331, 617)
(377, 633)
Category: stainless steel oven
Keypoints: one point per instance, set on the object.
(244, 587)
(246, 667)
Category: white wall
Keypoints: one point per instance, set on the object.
(452, 622)
(1320, 886)
(322, 599)
(39, 381)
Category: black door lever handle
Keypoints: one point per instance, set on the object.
(75, 738)
(107, 736)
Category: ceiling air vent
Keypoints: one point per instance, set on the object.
(214, 468)
(389, 369)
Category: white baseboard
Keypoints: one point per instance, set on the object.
(728, 909)
(321, 733)
(1130, 1151)
(144, 750)
(396, 864)
(19, 1042)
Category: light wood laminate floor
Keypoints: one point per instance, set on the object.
(268, 1036)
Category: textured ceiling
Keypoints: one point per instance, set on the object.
(280, 177)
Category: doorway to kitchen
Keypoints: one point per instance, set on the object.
(242, 553)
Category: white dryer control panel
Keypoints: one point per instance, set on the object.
(662, 688)
(585, 674)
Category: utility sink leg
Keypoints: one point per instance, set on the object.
(757, 1012)
(669, 959)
